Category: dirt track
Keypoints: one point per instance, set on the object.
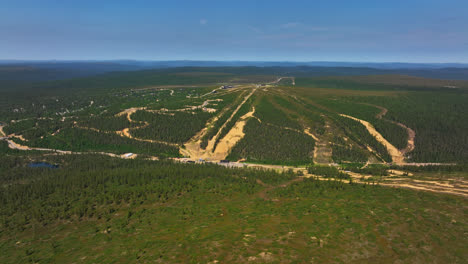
(128, 112)
(459, 188)
(279, 79)
(14, 145)
(126, 131)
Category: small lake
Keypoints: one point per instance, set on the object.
(42, 165)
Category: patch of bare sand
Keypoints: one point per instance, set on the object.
(2, 133)
(307, 132)
(322, 149)
(400, 173)
(20, 137)
(14, 145)
(429, 188)
(124, 133)
(232, 137)
(411, 134)
(129, 112)
(192, 148)
(56, 132)
(397, 156)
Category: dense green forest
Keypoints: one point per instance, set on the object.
(92, 102)
(439, 120)
(395, 134)
(327, 172)
(343, 151)
(268, 113)
(153, 207)
(108, 123)
(177, 127)
(138, 210)
(70, 194)
(264, 143)
(76, 139)
(359, 133)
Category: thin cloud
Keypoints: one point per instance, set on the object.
(290, 25)
(203, 21)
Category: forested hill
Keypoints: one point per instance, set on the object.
(43, 71)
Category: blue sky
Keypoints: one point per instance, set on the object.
(333, 30)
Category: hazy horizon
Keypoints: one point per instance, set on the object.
(227, 61)
(301, 31)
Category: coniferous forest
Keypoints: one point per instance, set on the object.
(117, 168)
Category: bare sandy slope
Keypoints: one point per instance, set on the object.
(232, 137)
(397, 156)
(411, 134)
(212, 141)
(322, 149)
(193, 150)
(307, 132)
(2, 133)
(20, 137)
(14, 145)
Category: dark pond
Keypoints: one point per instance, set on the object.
(42, 165)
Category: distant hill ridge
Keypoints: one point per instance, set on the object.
(55, 70)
